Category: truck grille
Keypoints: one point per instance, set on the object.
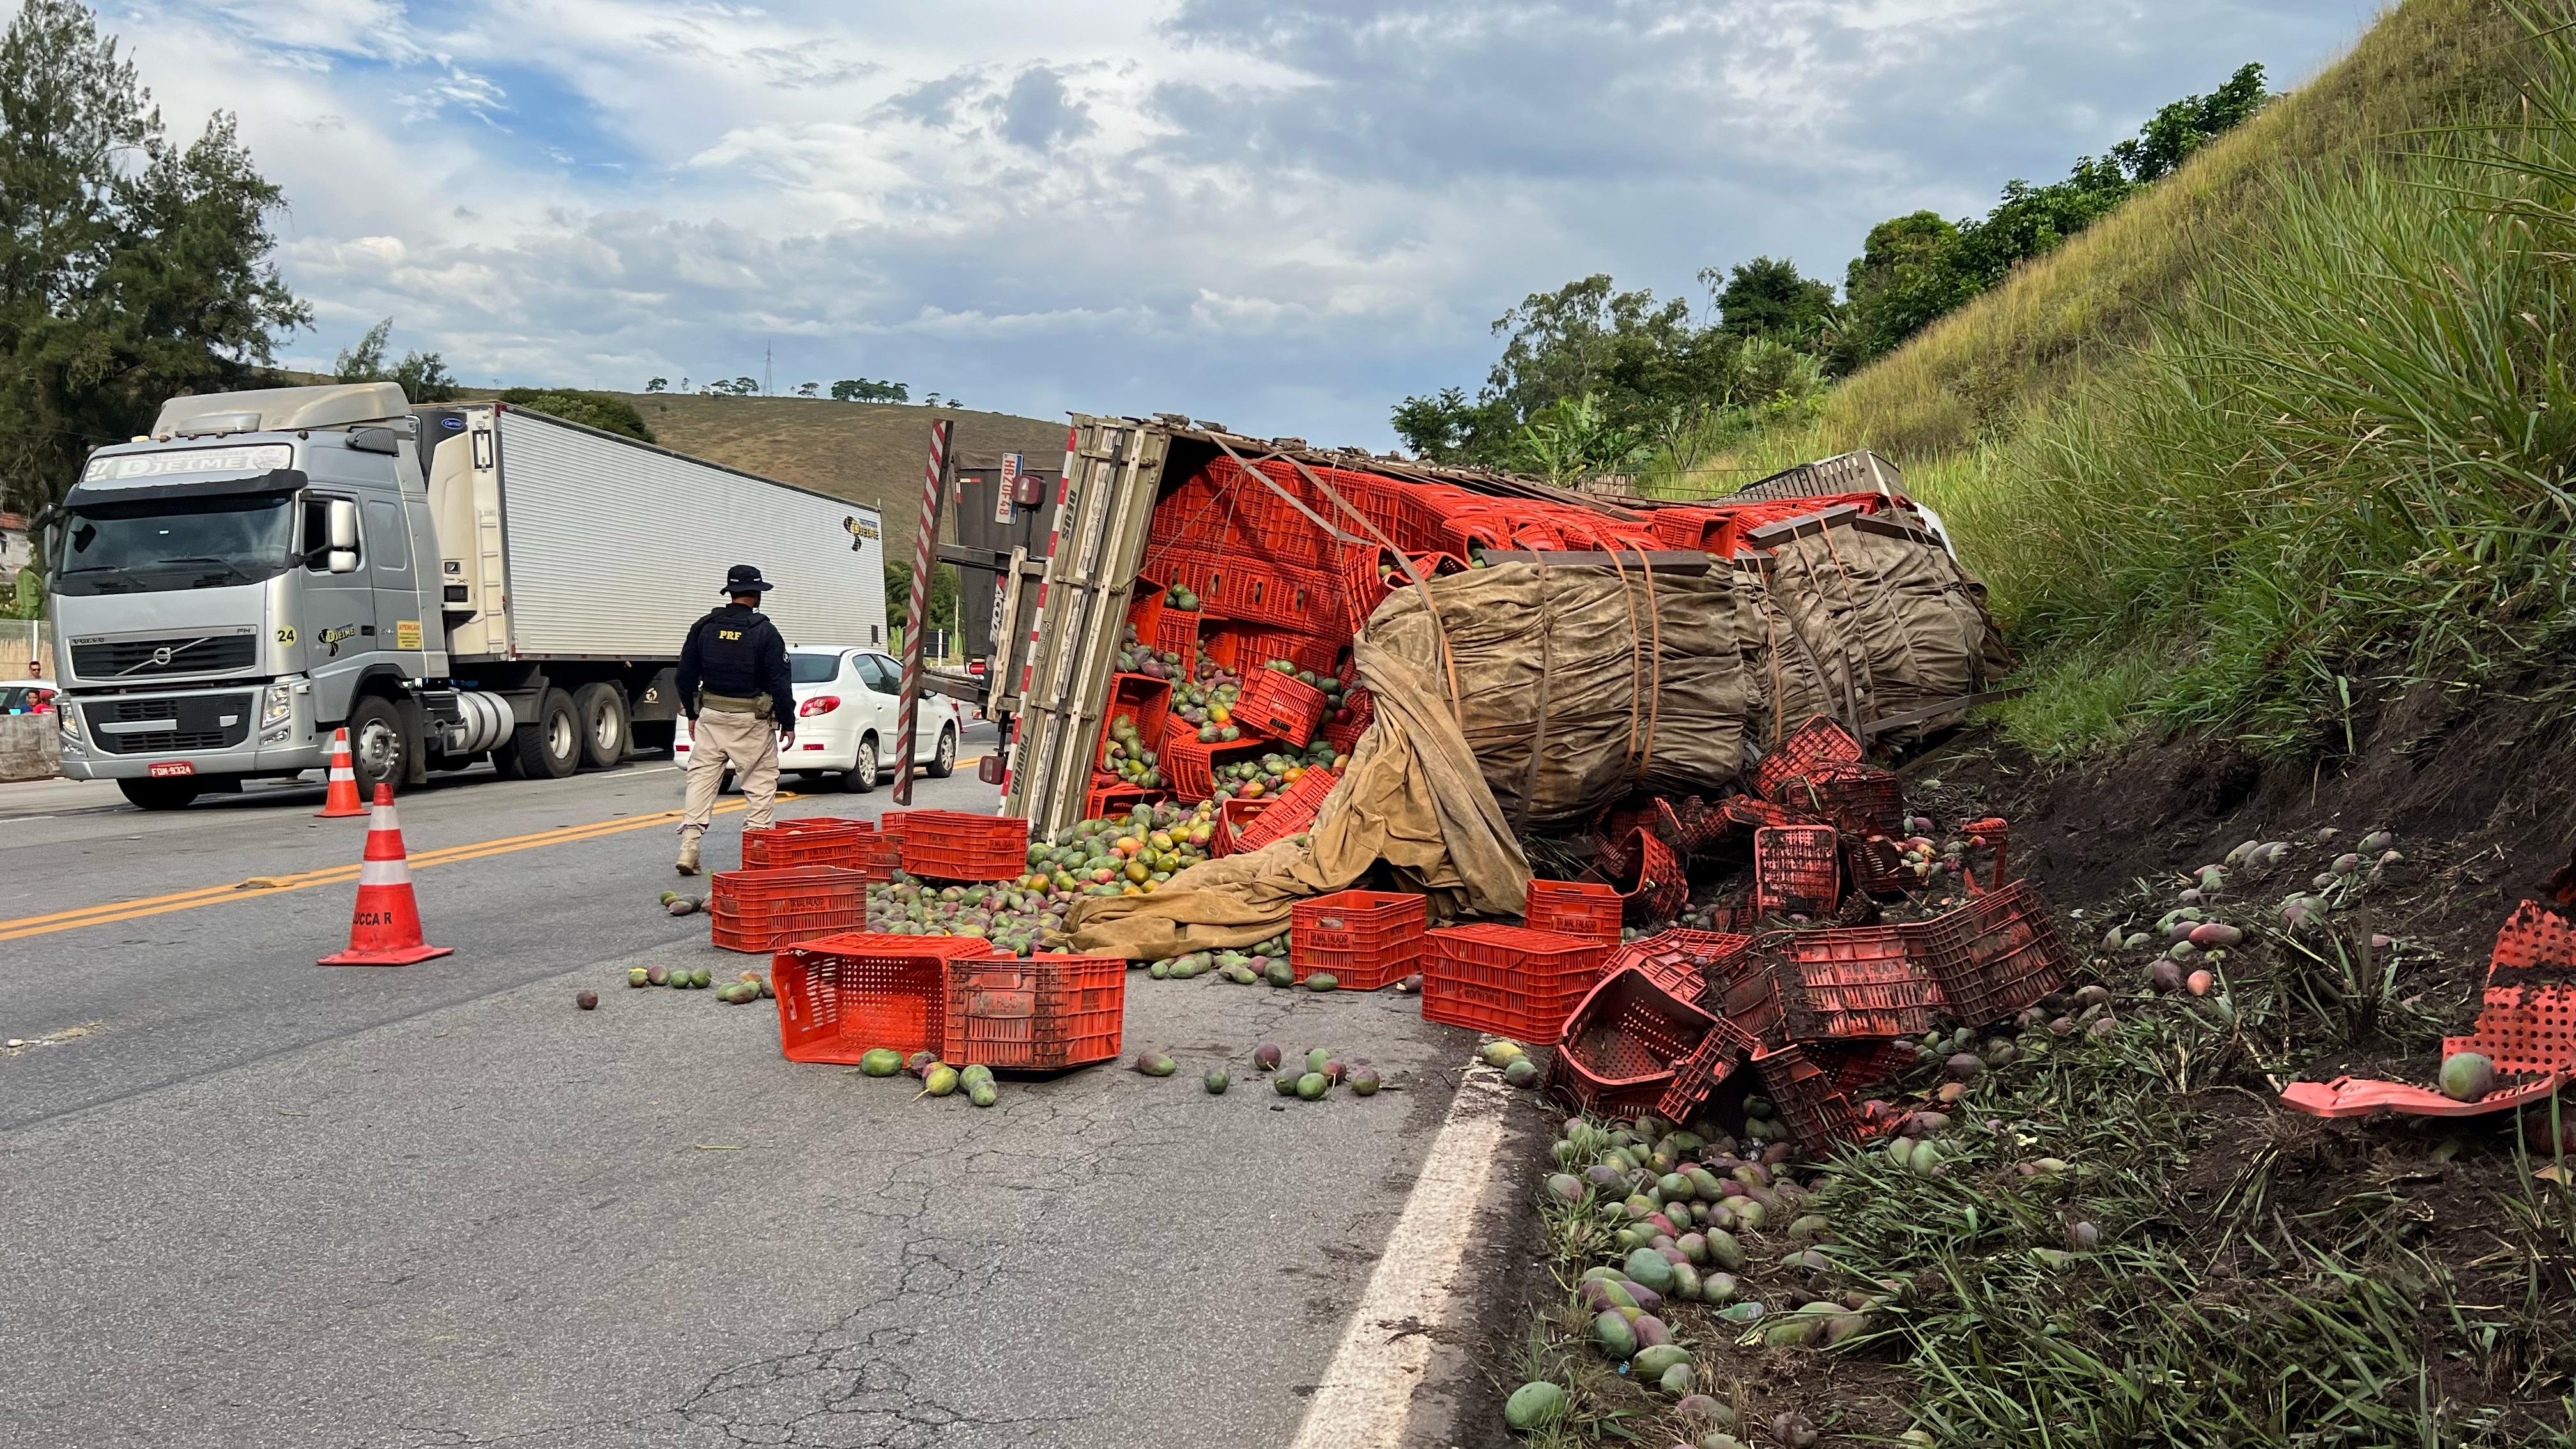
(194, 723)
(199, 654)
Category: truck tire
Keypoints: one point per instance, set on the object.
(944, 763)
(605, 732)
(378, 749)
(549, 746)
(173, 794)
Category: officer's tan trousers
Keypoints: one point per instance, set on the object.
(750, 745)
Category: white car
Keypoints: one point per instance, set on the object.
(846, 715)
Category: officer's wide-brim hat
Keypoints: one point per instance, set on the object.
(744, 579)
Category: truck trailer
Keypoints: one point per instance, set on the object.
(450, 583)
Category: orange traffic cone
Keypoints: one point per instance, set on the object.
(385, 931)
(344, 801)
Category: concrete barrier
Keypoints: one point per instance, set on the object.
(30, 747)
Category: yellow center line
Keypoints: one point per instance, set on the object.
(258, 887)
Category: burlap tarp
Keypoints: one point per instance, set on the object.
(1562, 690)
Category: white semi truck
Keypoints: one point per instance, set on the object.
(451, 583)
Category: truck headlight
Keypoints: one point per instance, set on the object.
(68, 718)
(276, 707)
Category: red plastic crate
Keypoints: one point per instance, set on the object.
(1038, 1014)
(821, 840)
(1279, 705)
(1815, 1111)
(1361, 706)
(842, 996)
(1996, 954)
(1818, 742)
(1620, 1046)
(746, 892)
(1857, 799)
(1233, 817)
(877, 856)
(2535, 946)
(1243, 648)
(1111, 798)
(1856, 1066)
(769, 929)
(1142, 698)
(953, 845)
(1851, 982)
(1797, 868)
(1508, 979)
(1877, 868)
(1573, 907)
(1696, 1078)
(1176, 631)
(1366, 939)
(1653, 885)
(1259, 589)
(1291, 810)
(1145, 604)
(1677, 960)
(1744, 988)
(1191, 764)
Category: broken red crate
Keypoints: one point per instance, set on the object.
(1573, 908)
(1996, 954)
(1652, 886)
(1621, 1044)
(1877, 868)
(1818, 742)
(1851, 982)
(1857, 799)
(1797, 868)
(1677, 959)
(1508, 980)
(1816, 1112)
(1280, 705)
(1041, 1013)
(953, 845)
(840, 997)
(1365, 939)
(1358, 708)
(1696, 1078)
(1191, 764)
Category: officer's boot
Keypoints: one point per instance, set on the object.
(687, 864)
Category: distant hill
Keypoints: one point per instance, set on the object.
(867, 452)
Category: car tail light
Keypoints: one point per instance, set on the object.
(819, 704)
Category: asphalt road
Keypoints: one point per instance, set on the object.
(245, 1199)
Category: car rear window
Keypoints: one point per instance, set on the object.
(813, 668)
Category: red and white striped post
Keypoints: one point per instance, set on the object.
(916, 623)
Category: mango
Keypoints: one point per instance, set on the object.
(1651, 1362)
(939, 1081)
(1649, 1267)
(1216, 1082)
(1312, 1086)
(1535, 1405)
(1615, 1338)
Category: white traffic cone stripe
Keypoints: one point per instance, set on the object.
(340, 769)
(384, 873)
(380, 818)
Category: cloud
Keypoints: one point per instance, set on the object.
(1287, 215)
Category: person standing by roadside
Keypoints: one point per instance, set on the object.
(741, 703)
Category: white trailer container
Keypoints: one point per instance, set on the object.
(571, 543)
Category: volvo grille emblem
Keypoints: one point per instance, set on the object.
(161, 656)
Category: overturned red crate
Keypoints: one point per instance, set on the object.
(1858, 799)
(762, 910)
(953, 845)
(1191, 764)
(1877, 868)
(1364, 939)
(1345, 726)
(1652, 886)
(815, 840)
(1677, 960)
(1696, 1078)
(1111, 798)
(1280, 705)
(1035, 1014)
(1291, 810)
(1620, 1045)
(1852, 982)
(1797, 868)
(1508, 980)
(840, 997)
(1818, 742)
(1573, 907)
(1996, 954)
(1140, 698)
(1233, 817)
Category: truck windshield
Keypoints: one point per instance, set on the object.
(162, 544)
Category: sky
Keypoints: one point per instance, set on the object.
(1279, 215)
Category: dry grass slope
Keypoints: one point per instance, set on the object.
(868, 452)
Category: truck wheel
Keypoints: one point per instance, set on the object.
(549, 746)
(376, 750)
(173, 794)
(604, 731)
(944, 764)
(862, 776)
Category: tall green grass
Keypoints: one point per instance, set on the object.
(2339, 467)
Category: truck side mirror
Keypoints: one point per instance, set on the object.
(342, 560)
(344, 531)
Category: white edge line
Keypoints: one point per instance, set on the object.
(1367, 1393)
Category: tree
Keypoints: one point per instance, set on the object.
(421, 376)
(657, 384)
(604, 411)
(1766, 297)
(131, 269)
(860, 389)
(808, 389)
(2184, 126)
(1901, 280)
(943, 594)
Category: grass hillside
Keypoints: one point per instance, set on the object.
(868, 452)
(2284, 437)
